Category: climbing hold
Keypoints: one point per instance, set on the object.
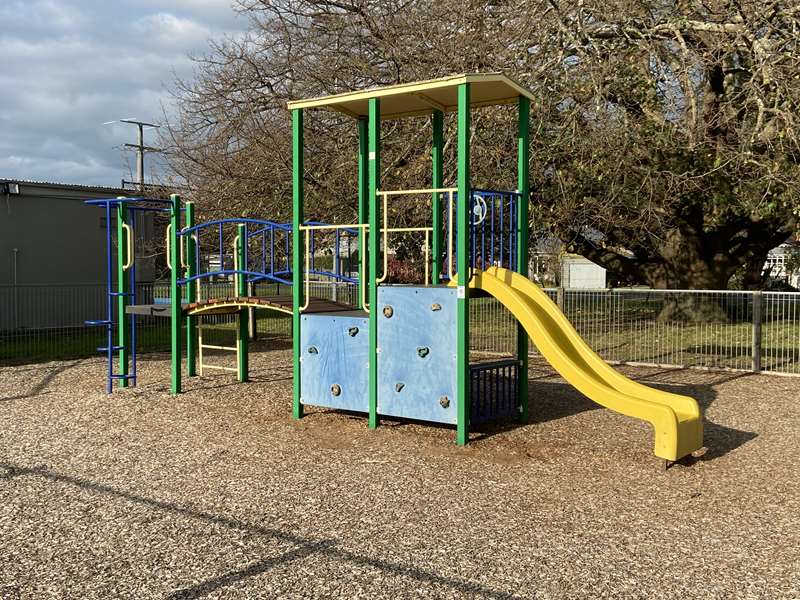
(336, 389)
(313, 350)
(352, 331)
(444, 401)
(398, 387)
(423, 351)
(388, 311)
(436, 306)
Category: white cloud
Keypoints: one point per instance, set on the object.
(57, 15)
(62, 170)
(169, 29)
(70, 65)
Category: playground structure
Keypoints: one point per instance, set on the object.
(401, 350)
(202, 260)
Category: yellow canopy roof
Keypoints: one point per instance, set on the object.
(422, 97)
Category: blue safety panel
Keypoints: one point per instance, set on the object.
(417, 352)
(334, 361)
(495, 391)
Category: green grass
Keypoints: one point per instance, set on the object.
(633, 336)
(33, 346)
(636, 336)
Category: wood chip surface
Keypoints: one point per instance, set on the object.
(218, 493)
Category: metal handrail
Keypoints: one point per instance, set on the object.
(417, 192)
(237, 274)
(386, 230)
(238, 221)
(129, 246)
(169, 246)
(182, 246)
(307, 270)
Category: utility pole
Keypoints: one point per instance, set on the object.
(138, 146)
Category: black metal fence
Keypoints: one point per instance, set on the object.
(753, 331)
(44, 322)
(739, 330)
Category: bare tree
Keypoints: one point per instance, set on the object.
(665, 140)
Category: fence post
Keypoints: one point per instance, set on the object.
(757, 335)
(560, 298)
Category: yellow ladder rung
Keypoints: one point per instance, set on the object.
(205, 366)
(201, 346)
(211, 347)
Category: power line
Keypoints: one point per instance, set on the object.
(139, 146)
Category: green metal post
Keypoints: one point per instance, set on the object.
(436, 200)
(523, 185)
(191, 294)
(363, 203)
(242, 334)
(462, 264)
(374, 162)
(175, 293)
(122, 288)
(297, 254)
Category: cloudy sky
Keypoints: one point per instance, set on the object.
(67, 66)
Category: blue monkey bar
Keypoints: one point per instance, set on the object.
(267, 252)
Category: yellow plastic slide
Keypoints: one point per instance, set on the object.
(676, 419)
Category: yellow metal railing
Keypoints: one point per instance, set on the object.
(450, 241)
(428, 230)
(236, 274)
(168, 245)
(362, 254)
(181, 247)
(129, 246)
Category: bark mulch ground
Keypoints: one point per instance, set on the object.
(219, 493)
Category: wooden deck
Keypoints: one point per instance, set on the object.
(229, 305)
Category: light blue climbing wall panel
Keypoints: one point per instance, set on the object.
(417, 352)
(334, 360)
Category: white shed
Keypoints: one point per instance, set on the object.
(578, 272)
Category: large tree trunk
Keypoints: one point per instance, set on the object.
(684, 260)
(691, 273)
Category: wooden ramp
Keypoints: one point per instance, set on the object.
(232, 304)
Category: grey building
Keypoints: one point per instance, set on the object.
(49, 236)
(53, 250)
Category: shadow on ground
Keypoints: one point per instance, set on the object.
(551, 399)
(719, 439)
(303, 547)
(41, 386)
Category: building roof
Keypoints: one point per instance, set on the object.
(422, 97)
(67, 186)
